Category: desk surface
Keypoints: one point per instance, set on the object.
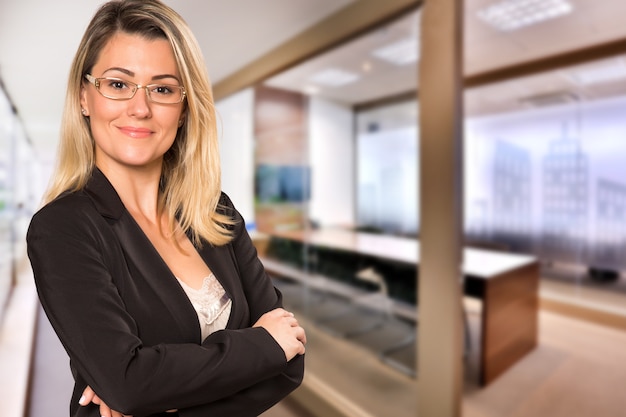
(477, 262)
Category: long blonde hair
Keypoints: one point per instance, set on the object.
(190, 179)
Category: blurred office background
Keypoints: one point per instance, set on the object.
(319, 121)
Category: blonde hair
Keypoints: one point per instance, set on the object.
(190, 179)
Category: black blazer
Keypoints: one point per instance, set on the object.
(130, 330)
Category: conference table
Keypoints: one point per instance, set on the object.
(507, 285)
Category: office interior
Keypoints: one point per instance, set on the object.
(321, 155)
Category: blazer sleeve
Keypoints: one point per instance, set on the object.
(252, 401)
(70, 253)
(262, 297)
(260, 292)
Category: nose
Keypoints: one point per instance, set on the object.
(139, 105)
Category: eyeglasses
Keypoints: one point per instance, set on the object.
(118, 89)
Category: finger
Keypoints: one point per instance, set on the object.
(87, 396)
(282, 312)
(96, 399)
(290, 320)
(105, 411)
(302, 336)
(302, 349)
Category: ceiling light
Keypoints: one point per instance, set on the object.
(334, 77)
(402, 52)
(311, 90)
(508, 15)
(612, 70)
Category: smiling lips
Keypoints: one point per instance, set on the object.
(135, 132)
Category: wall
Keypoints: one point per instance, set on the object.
(282, 170)
(329, 150)
(387, 167)
(235, 122)
(331, 153)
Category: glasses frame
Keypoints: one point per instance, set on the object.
(96, 83)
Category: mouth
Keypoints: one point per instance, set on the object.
(135, 132)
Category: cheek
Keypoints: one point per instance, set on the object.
(169, 121)
(101, 108)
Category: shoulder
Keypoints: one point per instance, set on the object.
(227, 207)
(90, 206)
(225, 202)
(69, 204)
(71, 211)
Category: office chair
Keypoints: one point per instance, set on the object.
(368, 318)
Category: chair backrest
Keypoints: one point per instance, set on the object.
(371, 276)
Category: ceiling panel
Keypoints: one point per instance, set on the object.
(591, 22)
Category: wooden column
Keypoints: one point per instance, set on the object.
(440, 347)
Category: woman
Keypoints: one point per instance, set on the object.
(142, 265)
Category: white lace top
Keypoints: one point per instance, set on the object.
(211, 303)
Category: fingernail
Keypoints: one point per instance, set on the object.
(82, 400)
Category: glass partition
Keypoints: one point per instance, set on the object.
(547, 174)
(544, 172)
(18, 199)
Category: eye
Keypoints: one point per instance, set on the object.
(115, 84)
(162, 90)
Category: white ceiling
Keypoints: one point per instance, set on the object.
(38, 39)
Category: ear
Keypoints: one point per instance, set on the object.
(183, 117)
(83, 101)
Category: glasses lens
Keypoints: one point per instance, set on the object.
(165, 93)
(116, 88)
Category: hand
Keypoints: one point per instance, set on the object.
(284, 328)
(89, 396)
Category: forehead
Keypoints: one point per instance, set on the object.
(137, 54)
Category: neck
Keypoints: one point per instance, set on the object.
(138, 188)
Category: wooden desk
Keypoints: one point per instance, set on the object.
(507, 284)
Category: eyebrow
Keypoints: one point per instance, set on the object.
(132, 74)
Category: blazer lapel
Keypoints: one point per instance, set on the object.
(142, 259)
